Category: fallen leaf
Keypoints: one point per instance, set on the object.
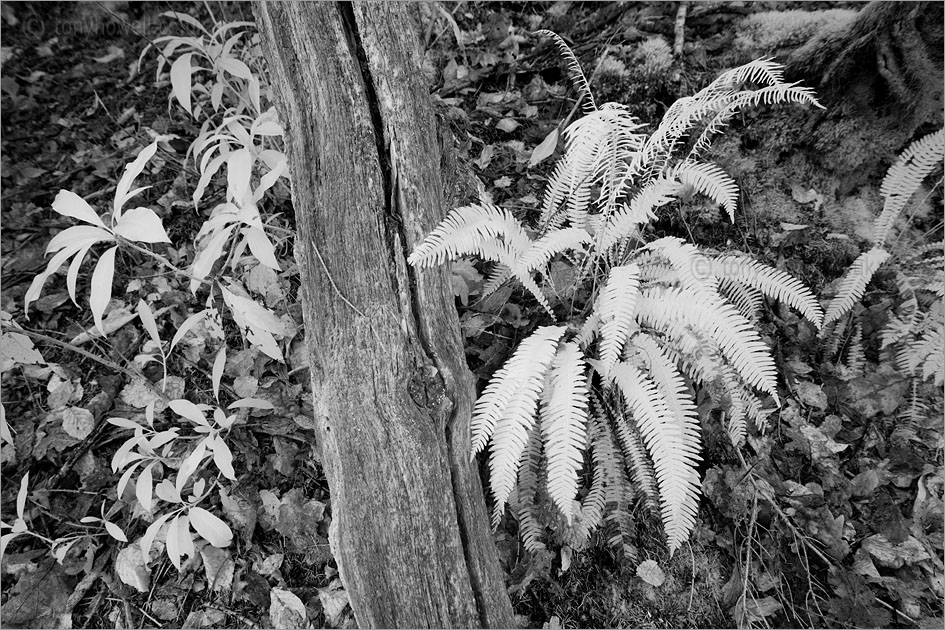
(544, 150)
(286, 610)
(891, 556)
(485, 156)
(77, 422)
(508, 125)
(333, 601)
(650, 572)
(219, 567)
(811, 395)
(132, 569)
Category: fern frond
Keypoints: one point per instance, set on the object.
(598, 149)
(511, 408)
(675, 455)
(523, 503)
(465, 231)
(564, 426)
(548, 246)
(616, 312)
(711, 181)
(605, 464)
(526, 365)
(692, 267)
(856, 357)
(718, 96)
(618, 491)
(496, 278)
(624, 222)
(926, 352)
(916, 410)
(532, 287)
(729, 106)
(698, 357)
(737, 411)
(575, 73)
(748, 300)
(904, 178)
(853, 285)
(774, 283)
(637, 462)
(703, 311)
(755, 412)
(671, 385)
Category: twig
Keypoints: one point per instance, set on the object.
(68, 346)
(332, 281)
(164, 261)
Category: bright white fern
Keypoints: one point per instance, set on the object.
(615, 384)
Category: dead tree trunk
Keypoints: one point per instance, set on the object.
(391, 390)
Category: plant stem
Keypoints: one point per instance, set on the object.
(68, 346)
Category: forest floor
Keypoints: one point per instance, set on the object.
(835, 520)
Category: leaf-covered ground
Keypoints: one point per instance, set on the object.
(833, 518)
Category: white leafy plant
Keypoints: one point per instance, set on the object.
(615, 377)
(150, 451)
(917, 332)
(138, 225)
(234, 226)
(241, 132)
(243, 142)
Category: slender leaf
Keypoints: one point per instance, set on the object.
(190, 411)
(69, 204)
(189, 323)
(123, 191)
(102, 286)
(115, 531)
(181, 81)
(148, 538)
(147, 319)
(144, 487)
(143, 225)
(210, 527)
(217, 374)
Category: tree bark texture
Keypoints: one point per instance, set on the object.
(391, 390)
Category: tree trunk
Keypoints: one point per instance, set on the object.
(392, 393)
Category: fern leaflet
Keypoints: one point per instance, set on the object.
(564, 426)
(854, 282)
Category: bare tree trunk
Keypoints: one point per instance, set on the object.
(391, 390)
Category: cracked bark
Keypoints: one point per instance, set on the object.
(391, 390)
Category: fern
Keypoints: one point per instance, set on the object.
(712, 182)
(523, 501)
(854, 282)
(527, 365)
(675, 454)
(616, 312)
(772, 282)
(564, 426)
(904, 178)
(465, 230)
(856, 356)
(652, 320)
(574, 71)
(738, 341)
